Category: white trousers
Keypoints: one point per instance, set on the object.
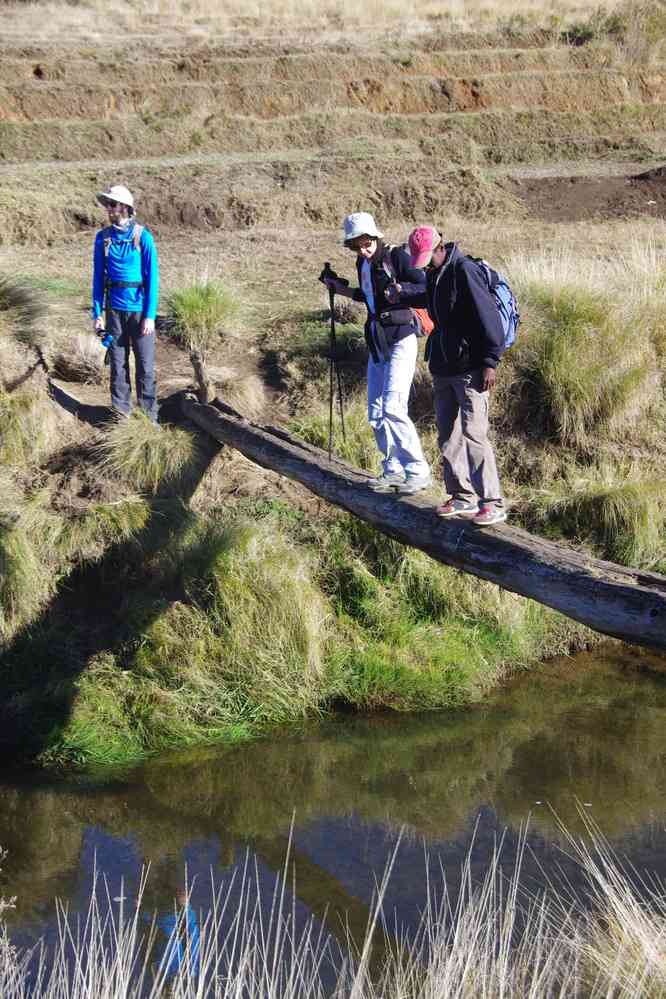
(389, 382)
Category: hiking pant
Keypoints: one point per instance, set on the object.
(126, 330)
(468, 459)
(389, 382)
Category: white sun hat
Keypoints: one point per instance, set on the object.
(360, 224)
(117, 193)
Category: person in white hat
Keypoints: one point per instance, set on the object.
(391, 336)
(125, 290)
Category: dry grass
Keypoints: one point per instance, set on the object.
(498, 937)
(306, 18)
(144, 455)
(82, 362)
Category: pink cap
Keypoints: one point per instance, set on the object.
(422, 241)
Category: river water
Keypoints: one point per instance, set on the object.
(582, 735)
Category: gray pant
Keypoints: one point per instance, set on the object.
(468, 459)
(126, 330)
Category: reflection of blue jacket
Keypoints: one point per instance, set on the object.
(182, 933)
(126, 264)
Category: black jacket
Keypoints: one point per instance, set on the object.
(468, 331)
(397, 260)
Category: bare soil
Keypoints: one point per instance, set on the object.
(579, 199)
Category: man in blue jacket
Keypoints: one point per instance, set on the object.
(125, 290)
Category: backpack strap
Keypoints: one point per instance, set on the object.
(107, 235)
(387, 263)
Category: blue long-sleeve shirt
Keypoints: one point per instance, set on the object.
(125, 263)
(182, 933)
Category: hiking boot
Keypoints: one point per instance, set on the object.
(457, 508)
(489, 513)
(414, 484)
(387, 482)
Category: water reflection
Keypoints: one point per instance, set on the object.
(590, 729)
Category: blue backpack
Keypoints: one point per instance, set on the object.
(504, 300)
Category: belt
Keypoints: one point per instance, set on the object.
(124, 284)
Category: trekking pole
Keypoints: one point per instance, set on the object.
(331, 387)
(334, 366)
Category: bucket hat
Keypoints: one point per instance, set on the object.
(359, 224)
(117, 193)
(422, 241)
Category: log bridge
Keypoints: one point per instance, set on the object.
(624, 603)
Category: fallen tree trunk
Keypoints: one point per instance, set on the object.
(624, 603)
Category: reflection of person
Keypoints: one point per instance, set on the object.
(181, 929)
(126, 273)
(463, 353)
(391, 336)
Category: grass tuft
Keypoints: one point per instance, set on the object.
(201, 313)
(27, 427)
(24, 582)
(622, 511)
(22, 312)
(83, 364)
(579, 374)
(144, 455)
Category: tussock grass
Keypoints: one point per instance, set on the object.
(11, 498)
(496, 936)
(201, 313)
(145, 455)
(28, 427)
(580, 372)
(23, 581)
(38, 546)
(22, 312)
(86, 537)
(359, 448)
(582, 369)
(83, 363)
(243, 650)
(415, 634)
(622, 510)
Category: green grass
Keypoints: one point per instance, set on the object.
(201, 314)
(22, 311)
(144, 455)
(57, 287)
(579, 373)
(620, 510)
(24, 583)
(233, 628)
(27, 427)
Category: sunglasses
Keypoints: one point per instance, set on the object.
(113, 204)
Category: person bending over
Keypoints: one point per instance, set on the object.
(463, 352)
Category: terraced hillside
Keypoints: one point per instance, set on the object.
(224, 137)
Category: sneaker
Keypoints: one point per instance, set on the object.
(488, 514)
(414, 484)
(387, 482)
(457, 508)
